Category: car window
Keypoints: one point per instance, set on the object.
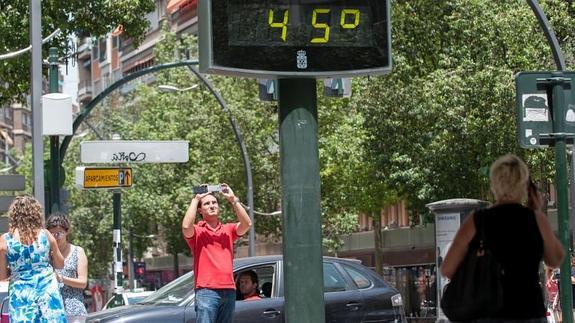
(114, 301)
(333, 281)
(360, 280)
(174, 292)
(136, 299)
(266, 278)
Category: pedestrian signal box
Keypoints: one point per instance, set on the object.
(139, 269)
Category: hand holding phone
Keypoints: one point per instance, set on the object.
(227, 192)
(534, 199)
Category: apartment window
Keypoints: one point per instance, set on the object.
(97, 87)
(161, 7)
(26, 121)
(153, 18)
(116, 75)
(8, 114)
(102, 49)
(105, 80)
(95, 52)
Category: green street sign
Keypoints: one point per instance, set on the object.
(534, 110)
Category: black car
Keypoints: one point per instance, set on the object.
(353, 293)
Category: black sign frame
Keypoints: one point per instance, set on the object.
(337, 56)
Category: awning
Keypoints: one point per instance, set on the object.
(174, 5)
(118, 30)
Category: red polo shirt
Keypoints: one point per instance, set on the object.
(253, 298)
(213, 251)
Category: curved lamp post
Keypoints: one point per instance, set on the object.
(240, 141)
(90, 106)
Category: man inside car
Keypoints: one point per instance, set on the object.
(249, 286)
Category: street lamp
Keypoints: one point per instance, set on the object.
(171, 88)
(243, 150)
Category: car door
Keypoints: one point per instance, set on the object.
(343, 302)
(269, 309)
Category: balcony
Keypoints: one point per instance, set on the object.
(84, 50)
(85, 91)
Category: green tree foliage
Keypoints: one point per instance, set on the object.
(447, 110)
(78, 17)
(162, 192)
(428, 131)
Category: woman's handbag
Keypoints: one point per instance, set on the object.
(475, 290)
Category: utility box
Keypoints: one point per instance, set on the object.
(449, 214)
(57, 114)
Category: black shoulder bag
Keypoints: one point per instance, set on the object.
(475, 291)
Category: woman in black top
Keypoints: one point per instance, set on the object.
(520, 238)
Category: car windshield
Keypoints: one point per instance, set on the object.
(173, 293)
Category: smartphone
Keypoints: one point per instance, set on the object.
(206, 189)
(531, 187)
(225, 188)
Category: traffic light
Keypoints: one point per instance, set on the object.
(139, 269)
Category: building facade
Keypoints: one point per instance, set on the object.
(15, 131)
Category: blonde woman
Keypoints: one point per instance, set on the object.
(519, 237)
(30, 251)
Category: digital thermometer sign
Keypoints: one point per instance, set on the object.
(295, 38)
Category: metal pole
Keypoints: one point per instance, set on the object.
(572, 195)
(245, 157)
(564, 229)
(117, 243)
(54, 201)
(36, 93)
(556, 92)
(131, 275)
(558, 100)
(301, 212)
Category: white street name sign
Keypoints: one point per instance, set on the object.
(133, 151)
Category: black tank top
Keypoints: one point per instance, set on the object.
(514, 237)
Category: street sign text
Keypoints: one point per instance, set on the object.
(103, 177)
(128, 151)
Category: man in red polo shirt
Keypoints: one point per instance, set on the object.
(212, 245)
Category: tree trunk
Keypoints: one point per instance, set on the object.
(176, 266)
(378, 242)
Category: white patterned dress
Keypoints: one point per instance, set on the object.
(33, 290)
(73, 297)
